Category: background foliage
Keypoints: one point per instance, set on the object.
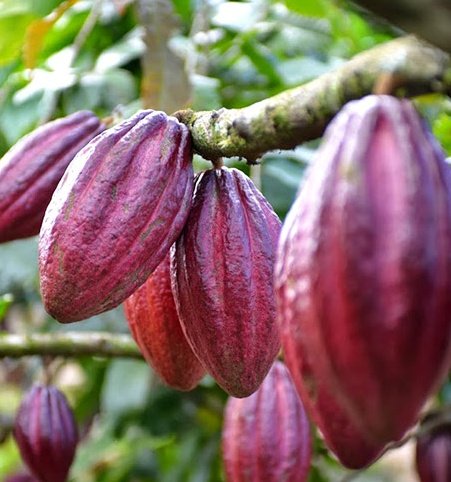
(59, 57)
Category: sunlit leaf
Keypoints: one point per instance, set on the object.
(5, 303)
(37, 31)
(312, 8)
(442, 130)
(12, 31)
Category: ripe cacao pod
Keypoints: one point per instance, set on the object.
(117, 210)
(32, 168)
(222, 274)
(433, 455)
(155, 326)
(363, 275)
(46, 433)
(266, 436)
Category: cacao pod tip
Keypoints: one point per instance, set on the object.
(45, 430)
(266, 436)
(154, 323)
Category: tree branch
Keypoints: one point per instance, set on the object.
(301, 114)
(69, 345)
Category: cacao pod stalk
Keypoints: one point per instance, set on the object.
(155, 326)
(32, 168)
(222, 274)
(364, 268)
(120, 206)
(266, 436)
(46, 433)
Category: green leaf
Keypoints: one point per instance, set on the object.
(280, 178)
(263, 60)
(12, 32)
(9, 457)
(309, 8)
(126, 386)
(44, 7)
(442, 130)
(206, 93)
(5, 302)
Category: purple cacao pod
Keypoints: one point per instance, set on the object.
(363, 275)
(21, 477)
(266, 436)
(46, 433)
(117, 210)
(222, 274)
(155, 326)
(32, 168)
(433, 455)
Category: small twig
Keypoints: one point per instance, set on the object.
(69, 345)
(86, 28)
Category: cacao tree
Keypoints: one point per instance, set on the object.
(152, 150)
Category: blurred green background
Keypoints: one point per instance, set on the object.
(60, 57)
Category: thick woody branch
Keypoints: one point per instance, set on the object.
(69, 345)
(301, 114)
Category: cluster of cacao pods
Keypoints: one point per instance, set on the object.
(359, 297)
(126, 198)
(46, 434)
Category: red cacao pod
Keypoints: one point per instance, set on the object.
(266, 436)
(119, 207)
(32, 168)
(433, 455)
(46, 433)
(364, 267)
(222, 275)
(155, 326)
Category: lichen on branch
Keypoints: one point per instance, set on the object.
(301, 114)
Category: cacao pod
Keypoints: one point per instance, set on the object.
(364, 267)
(21, 477)
(46, 433)
(117, 210)
(32, 168)
(155, 326)
(222, 274)
(433, 455)
(266, 436)
(340, 434)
